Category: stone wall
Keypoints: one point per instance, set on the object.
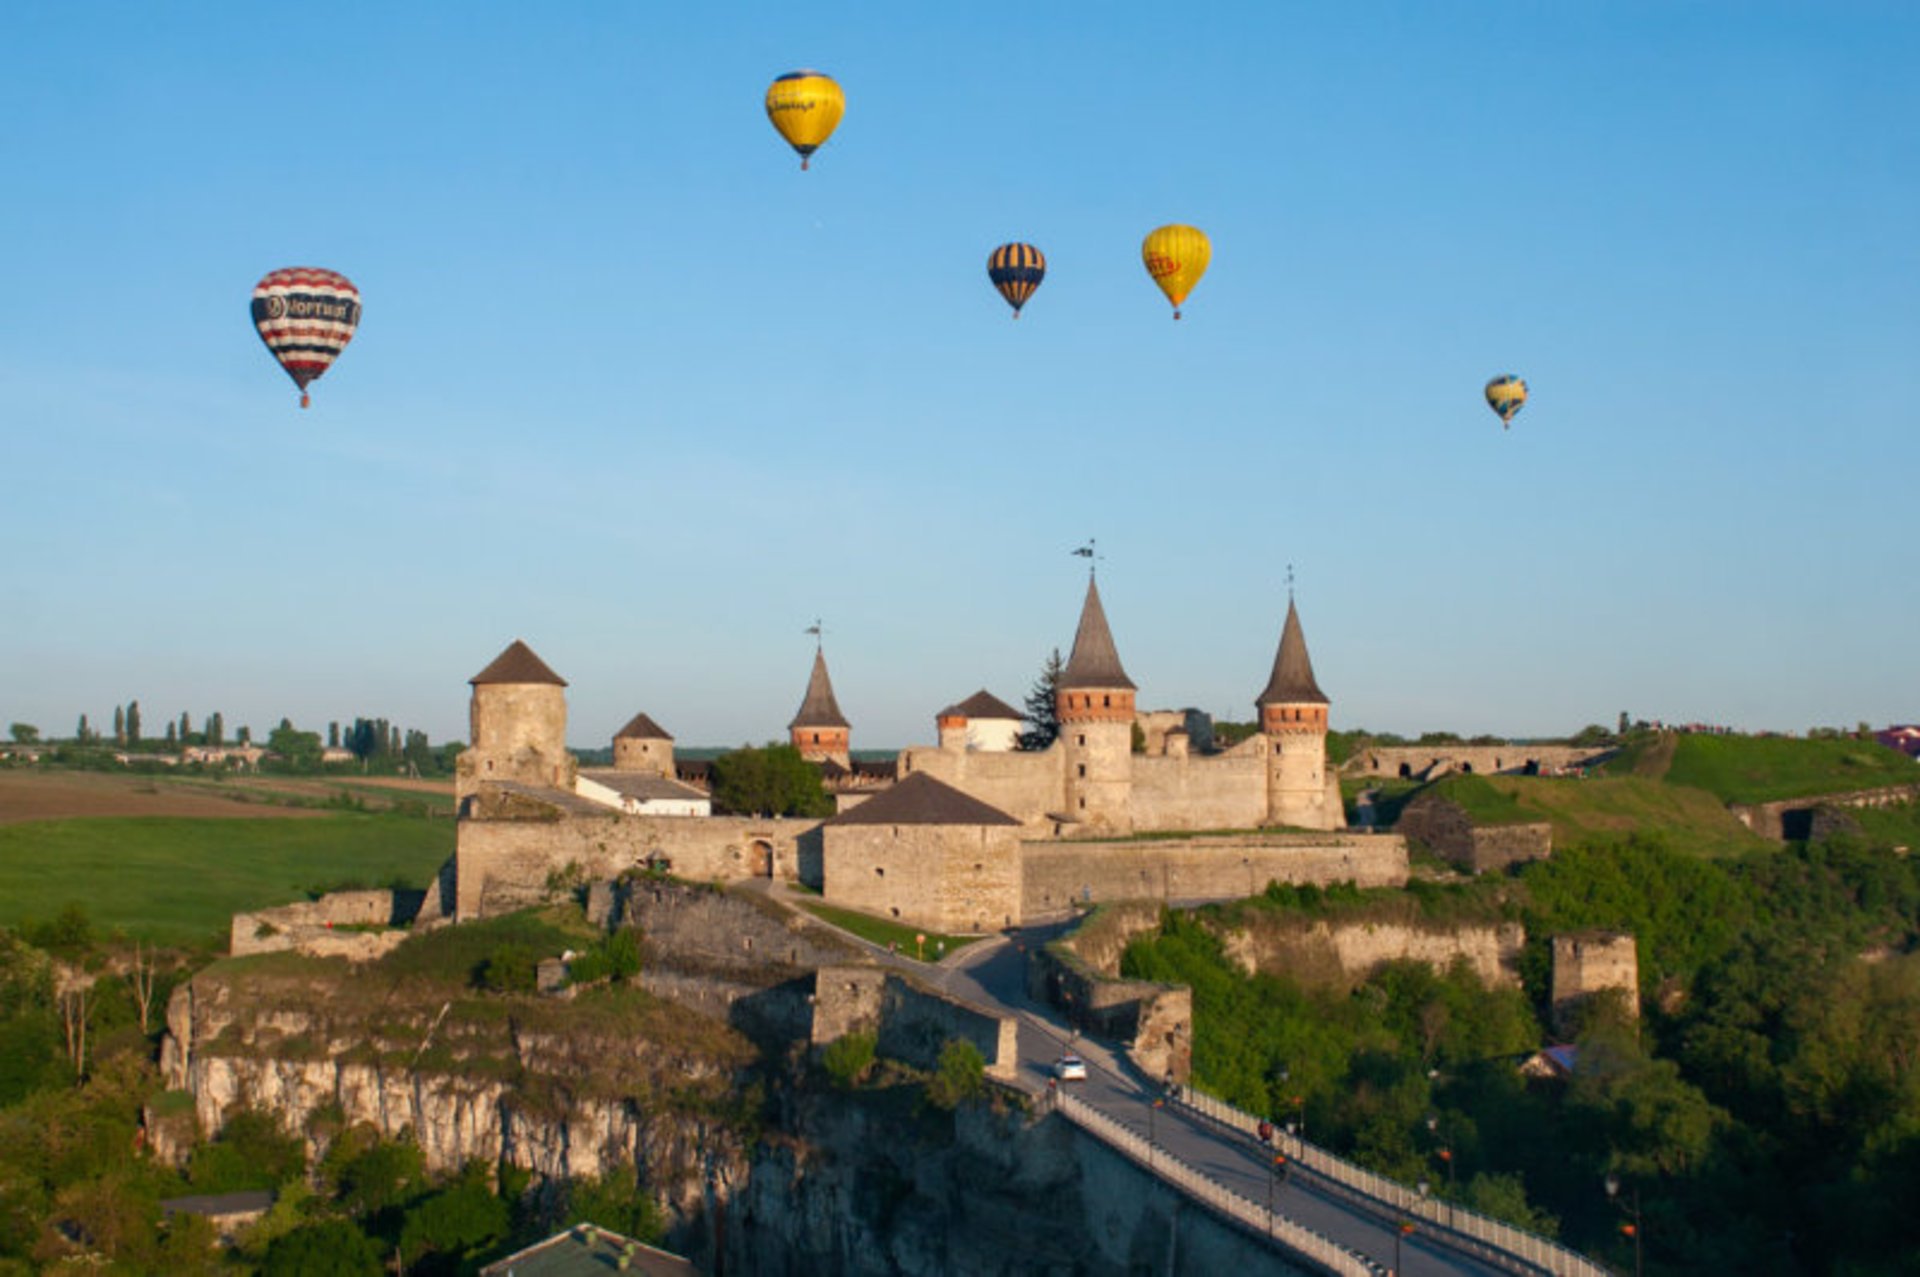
(913, 1025)
(1079, 976)
(1322, 951)
(963, 878)
(1444, 828)
(1028, 786)
(519, 733)
(1792, 818)
(319, 927)
(697, 929)
(1430, 762)
(1200, 791)
(1057, 876)
(505, 864)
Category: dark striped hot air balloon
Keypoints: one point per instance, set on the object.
(306, 316)
(1016, 270)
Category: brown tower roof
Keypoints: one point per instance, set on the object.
(982, 704)
(1094, 662)
(517, 664)
(640, 727)
(1292, 680)
(819, 709)
(922, 800)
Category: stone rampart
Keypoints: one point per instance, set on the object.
(1792, 818)
(1079, 976)
(1200, 791)
(1587, 964)
(1430, 762)
(913, 1025)
(1028, 786)
(957, 878)
(1444, 828)
(1323, 951)
(1059, 876)
(357, 925)
(694, 928)
(509, 864)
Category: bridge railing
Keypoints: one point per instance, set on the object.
(1441, 1217)
(1296, 1237)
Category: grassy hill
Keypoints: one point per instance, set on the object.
(1602, 808)
(1758, 769)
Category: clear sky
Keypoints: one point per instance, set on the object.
(632, 387)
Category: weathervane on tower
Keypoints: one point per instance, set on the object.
(1289, 582)
(1090, 553)
(817, 630)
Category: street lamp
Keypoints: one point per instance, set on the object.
(1633, 1212)
(1275, 1164)
(1152, 1137)
(1403, 1230)
(1444, 1152)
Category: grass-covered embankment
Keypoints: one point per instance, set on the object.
(1759, 769)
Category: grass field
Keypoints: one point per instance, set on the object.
(882, 931)
(176, 880)
(1611, 807)
(1756, 769)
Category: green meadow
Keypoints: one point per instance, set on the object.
(176, 880)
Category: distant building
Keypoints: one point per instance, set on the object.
(983, 721)
(1905, 738)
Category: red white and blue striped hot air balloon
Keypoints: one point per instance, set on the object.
(306, 316)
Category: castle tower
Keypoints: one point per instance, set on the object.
(819, 730)
(1293, 718)
(1588, 964)
(518, 717)
(1094, 702)
(643, 746)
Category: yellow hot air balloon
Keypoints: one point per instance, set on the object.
(1506, 395)
(806, 107)
(1176, 257)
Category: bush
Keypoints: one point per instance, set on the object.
(961, 1075)
(847, 1059)
(251, 1152)
(331, 1248)
(513, 968)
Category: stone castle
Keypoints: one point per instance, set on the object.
(970, 834)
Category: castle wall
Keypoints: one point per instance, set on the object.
(519, 732)
(1218, 791)
(945, 877)
(1028, 786)
(506, 864)
(1055, 876)
(1591, 962)
(1099, 765)
(1429, 762)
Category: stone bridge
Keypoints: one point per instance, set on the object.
(1430, 762)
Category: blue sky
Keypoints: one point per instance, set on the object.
(632, 387)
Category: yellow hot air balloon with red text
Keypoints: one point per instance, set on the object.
(1176, 256)
(805, 106)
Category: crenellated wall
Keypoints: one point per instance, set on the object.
(1058, 876)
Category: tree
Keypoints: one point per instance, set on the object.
(1624, 722)
(460, 1223)
(1591, 734)
(82, 734)
(119, 725)
(25, 733)
(960, 1075)
(133, 722)
(1043, 710)
(186, 728)
(216, 729)
(333, 734)
(298, 750)
(331, 1248)
(771, 781)
(141, 976)
(245, 735)
(172, 736)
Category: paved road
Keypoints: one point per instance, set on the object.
(992, 973)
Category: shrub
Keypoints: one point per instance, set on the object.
(847, 1059)
(512, 968)
(961, 1074)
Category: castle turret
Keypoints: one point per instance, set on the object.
(981, 722)
(643, 746)
(1094, 702)
(1293, 718)
(819, 730)
(518, 717)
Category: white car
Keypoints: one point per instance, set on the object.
(1071, 1068)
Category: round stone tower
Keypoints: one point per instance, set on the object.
(1293, 719)
(643, 746)
(518, 717)
(1094, 702)
(819, 730)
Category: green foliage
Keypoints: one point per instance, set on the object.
(1483, 803)
(960, 1075)
(371, 1175)
(512, 968)
(773, 780)
(884, 931)
(847, 1059)
(617, 958)
(460, 1223)
(1042, 705)
(250, 1152)
(180, 880)
(25, 733)
(296, 751)
(1505, 1197)
(69, 934)
(617, 1201)
(328, 1248)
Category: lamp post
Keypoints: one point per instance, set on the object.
(1444, 1152)
(1274, 1165)
(1633, 1212)
(1152, 1135)
(1401, 1231)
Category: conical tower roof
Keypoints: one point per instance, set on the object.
(819, 709)
(1095, 662)
(517, 664)
(640, 727)
(1292, 681)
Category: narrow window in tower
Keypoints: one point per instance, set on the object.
(1079, 740)
(1083, 804)
(1083, 769)
(1106, 702)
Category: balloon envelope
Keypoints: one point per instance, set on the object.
(1176, 256)
(805, 106)
(1016, 270)
(1506, 395)
(306, 316)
